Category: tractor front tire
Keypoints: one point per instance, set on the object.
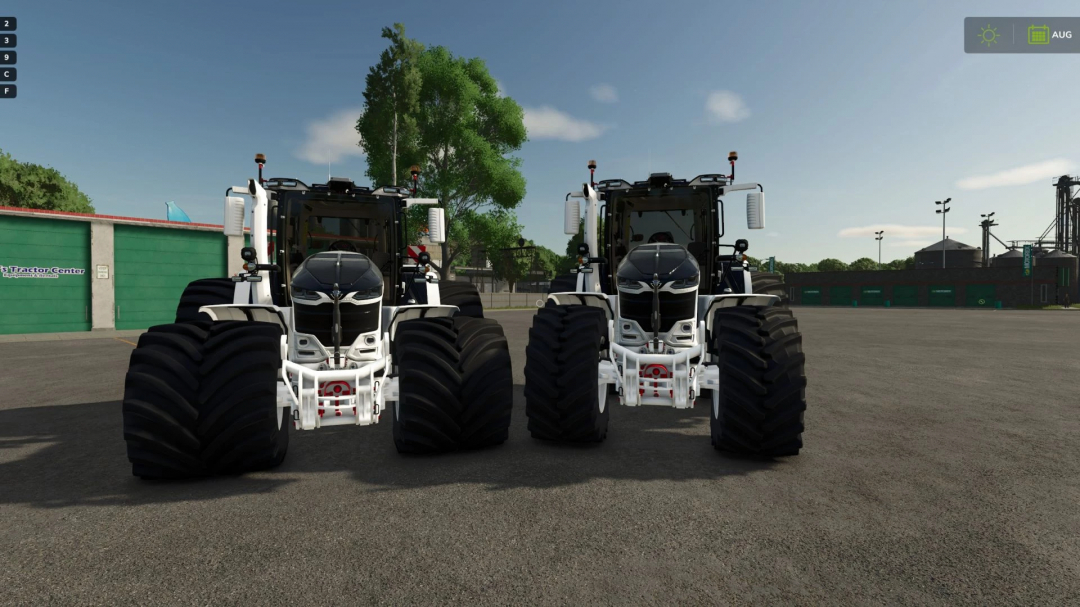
(203, 292)
(563, 398)
(463, 295)
(758, 409)
(455, 385)
(200, 398)
(566, 283)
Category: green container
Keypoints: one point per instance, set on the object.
(905, 295)
(33, 301)
(840, 296)
(153, 265)
(942, 296)
(887, 303)
(980, 296)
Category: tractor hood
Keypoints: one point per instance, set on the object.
(669, 261)
(352, 272)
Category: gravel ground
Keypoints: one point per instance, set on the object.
(942, 466)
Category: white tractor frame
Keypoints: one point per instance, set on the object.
(625, 365)
(319, 391)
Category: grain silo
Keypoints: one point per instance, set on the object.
(957, 255)
(1013, 258)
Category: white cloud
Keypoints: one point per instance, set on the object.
(332, 138)
(725, 106)
(1029, 173)
(549, 123)
(907, 244)
(604, 93)
(499, 90)
(773, 234)
(893, 231)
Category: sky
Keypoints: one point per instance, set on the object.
(854, 116)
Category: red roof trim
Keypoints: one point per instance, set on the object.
(116, 218)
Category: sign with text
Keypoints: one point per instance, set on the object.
(1027, 260)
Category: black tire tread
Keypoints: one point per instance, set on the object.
(762, 381)
(455, 385)
(203, 292)
(561, 367)
(463, 295)
(770, 283)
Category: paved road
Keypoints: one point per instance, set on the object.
(942, 466)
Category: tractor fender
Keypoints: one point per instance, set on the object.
(709, 304)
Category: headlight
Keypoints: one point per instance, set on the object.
(305, 295)
(367, 293)
(630, 284)
(685, 283)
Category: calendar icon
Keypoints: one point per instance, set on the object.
(1038, 34)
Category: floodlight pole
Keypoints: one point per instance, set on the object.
(878, 239)
(944, 209)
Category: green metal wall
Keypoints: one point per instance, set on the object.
(153, 265)
(46, 304)
(942, 295)
(980, 296)
(840, 296)
(872, 296)
(905, 295)
(811, 296)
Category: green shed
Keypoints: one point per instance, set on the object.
(905, 295)
(811, 296)
(153, 265)
(840, 296)
(942, 295)
(980, 296)
(44, 275)
(872, 296)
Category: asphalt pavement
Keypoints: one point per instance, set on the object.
(941, 467)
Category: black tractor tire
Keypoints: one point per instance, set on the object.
(759, 407)
(203, 292)
(161, 402)
(196, 400)
(770, 283)
(455, 385)
(463, 295)
(240, 425)
(563, 399)
(566, 283)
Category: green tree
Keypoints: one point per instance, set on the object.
(496, 231)
(863, 263)
(831, 265)
(388, 129)
(31, 186)
(901, 264)
(466, 133)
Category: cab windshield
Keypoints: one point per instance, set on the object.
(360, 227)
(682, 220)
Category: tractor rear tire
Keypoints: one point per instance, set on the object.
(770, 283)
(563, 398)
(240, 425)
(758, 409)
(200, 398)
(455, 385)
(203, 292)
(566, 283)
(463, 295)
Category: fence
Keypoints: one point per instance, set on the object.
(512, 300)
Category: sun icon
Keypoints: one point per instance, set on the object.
(989, 35)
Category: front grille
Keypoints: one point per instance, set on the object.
(673, 307)
(318, 320)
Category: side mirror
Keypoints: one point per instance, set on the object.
(755, 210)
(234, 216)
(571, 217)
(436, 225)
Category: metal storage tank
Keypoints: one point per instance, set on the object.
(1013, 258)
(957, 255)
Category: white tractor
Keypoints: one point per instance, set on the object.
(331, 323)
(660, 317)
